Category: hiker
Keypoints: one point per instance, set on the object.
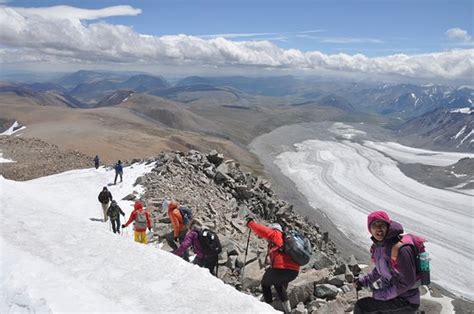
(141, 220)
(96, 161)
(179, 228)
(206, 255)
(396, 290)
(104, 198)
(283, 268)
(114, 211)
(118, 171)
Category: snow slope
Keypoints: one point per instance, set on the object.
(11, 130)
(347, 180)
(53, 258)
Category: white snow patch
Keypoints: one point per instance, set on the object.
(413, 96)
(458, 175)
(466, 110)
(460, 132)
(54, 259)
(125, 99)
(470, 133)
(446, 302)
(5, 160)
(344, 130)
(12, 130)
(408, 154)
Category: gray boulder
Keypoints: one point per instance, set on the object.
(326, 291)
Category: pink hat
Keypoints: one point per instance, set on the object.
(377, 215)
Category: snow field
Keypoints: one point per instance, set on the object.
(55, 259)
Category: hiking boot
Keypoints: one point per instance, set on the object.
(286, 307)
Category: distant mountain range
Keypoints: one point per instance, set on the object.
(442, 128)
(422, 112)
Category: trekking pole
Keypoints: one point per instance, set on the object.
(245, 258)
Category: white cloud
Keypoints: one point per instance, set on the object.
(68, 12)
(458, 34)
(36, 38)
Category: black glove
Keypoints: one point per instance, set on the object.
(249, 217)
(149, 229)
(123, 226)
(357, 284)
(175, 239)
(123, 215)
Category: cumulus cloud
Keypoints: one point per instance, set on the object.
(458, 34)
(68, 12)
(39, 38)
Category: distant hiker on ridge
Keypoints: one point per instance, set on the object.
(118, 171)
(141, 220)
(96, 161)
(396, 291)
(206, 246)
(179, 227)
(283, 268)
(114, 213)
(104, 198)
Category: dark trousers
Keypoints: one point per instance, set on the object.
(116, 175)
(209, 262)
(115, 225)
(278, 278)
(371, 305)
(174, 245)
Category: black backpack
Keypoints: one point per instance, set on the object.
(187, 214)
(210, 243)
(297, 247)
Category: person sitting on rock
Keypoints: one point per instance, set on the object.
(104, 198)
(193, 239)
(396, 291)
(118, 171)
(141, 220)
(283, 269)
(179, 228)
(114, 213)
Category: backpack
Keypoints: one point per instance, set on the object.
(417, 243)
(210, 243)
(187, 214)
(140, 220)
(297, 247)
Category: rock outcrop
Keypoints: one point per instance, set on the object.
(220, 194)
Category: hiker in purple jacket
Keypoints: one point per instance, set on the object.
(192, 239)
(393, 281)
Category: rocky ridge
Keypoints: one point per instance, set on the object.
(34, 158)
(220, 195)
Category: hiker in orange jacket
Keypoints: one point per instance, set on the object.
(179, 228)
(283, 269)
(141, 219)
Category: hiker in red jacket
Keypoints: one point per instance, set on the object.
(141, 219)
(283, 269)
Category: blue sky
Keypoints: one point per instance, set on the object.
(375, 28)
(319, 31)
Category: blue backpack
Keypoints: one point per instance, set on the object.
(187, 214)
